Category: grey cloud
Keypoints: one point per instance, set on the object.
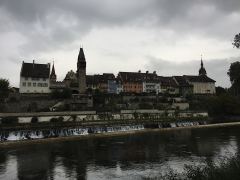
(52, 25)
(47, 25)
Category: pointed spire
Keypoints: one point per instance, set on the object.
(81, 56)
(53, 74)
(202, 70)
(201, 61)
(81, 59)
(53, 69)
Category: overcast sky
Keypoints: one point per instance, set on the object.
(167, 36)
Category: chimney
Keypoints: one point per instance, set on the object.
(154, 72)
(146, 72)
(33, 63)
(139, 71)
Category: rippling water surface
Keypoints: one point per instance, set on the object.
(124, 157)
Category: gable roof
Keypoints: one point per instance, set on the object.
(182, 81)
(97, 78)
(167, 81)
(201, 78)
(137, 77)
(35, 70)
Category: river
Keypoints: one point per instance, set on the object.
(133, 156)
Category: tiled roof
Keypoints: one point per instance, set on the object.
(201, 78)
(35, 70)
(97, 78)
(167, 81)
(137, 77)
(57, 85)
(182, 81)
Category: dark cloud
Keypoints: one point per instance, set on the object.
(48, 24)
(43, 26)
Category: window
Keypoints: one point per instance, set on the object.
(44, 79)
(24, 84)
(34, 84)
(39, 84)
(29, 84)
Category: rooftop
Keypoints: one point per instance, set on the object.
(35, 70)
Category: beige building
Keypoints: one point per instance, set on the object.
(202, 84)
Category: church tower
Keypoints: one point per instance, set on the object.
(202, 70)
(53, 76)
(81, 72)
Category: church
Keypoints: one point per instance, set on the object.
(202, 84)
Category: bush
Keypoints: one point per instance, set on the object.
(9, 120)
(34, 120)
(74, 117)
(65, 94)
(57, 120)
(145, 106)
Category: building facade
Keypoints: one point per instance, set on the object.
(34, 78)
(202, 84)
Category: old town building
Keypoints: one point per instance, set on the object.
(34, 78)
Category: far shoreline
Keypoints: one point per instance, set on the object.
(109, 134)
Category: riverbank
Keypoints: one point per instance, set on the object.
(109, 134)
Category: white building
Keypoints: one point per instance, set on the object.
(151, 87)
(34, 78)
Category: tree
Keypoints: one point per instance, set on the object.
(234, 74)
(236, 41)
(220, 90)
(4, 89)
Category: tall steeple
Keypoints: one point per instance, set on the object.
(81, 59)
(81, 71)
(53, 76)
(202, 70)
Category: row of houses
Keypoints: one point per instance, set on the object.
(36, 78)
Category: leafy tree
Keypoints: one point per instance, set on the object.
(4, 89)
(234, 74)
(220, 90)
(236, 41)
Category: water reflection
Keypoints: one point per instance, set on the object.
(125, 157)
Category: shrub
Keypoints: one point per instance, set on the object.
(60, 119)
(56, 120)
(65, 94)
(74, 117)
(9, 120)
(34, 120)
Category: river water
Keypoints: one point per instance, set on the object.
(135, 156)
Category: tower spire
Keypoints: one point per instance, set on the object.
(202, 70)
(81, 71)
(53, 76)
